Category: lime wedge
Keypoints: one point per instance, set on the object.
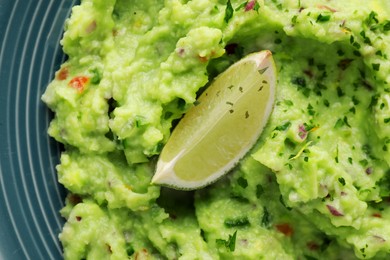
(216, 133)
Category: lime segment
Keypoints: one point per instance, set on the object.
(216, 133)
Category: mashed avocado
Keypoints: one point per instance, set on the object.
(315, 186)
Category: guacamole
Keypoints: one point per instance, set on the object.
(315, 186)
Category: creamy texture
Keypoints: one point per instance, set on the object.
(316, 185)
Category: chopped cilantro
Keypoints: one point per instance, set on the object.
(265, 220)
(386, 26)
(230, 244)
(242, 182)
(376, 66)
(228, 11)
(283, 127)
(237, 222)
(342, 181)
(323, 18)
(259, 191)
(97, 76)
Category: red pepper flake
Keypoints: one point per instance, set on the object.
(302, 132)
(313, 246)
(369, 170)
(79, 83)
(334, 211)
(63, 73)
(285, 228)
(250, 5)
(78, 218)
(377, 215)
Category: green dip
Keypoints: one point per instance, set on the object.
(316, 185)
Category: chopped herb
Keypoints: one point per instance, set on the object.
(259, 191)
(288, 102)
(340, 52)
(386, 26)
(97, 76)
(299, 81)
(386, 120)
(321, 66)
(278, 41)
(339, 123)
(342, 181)
(326, 103)
(346, 121)
(344, 63)
(374, 101)
(284, 203)
(256, 7)
(337, 155)
(376, 66)
(228, 11)
(355, 100)
(265, 220)
(310, 110)
(230, 244)
(246, 114)
(363, 162)
(283, 127)
(340, 92)
(350, 160)
(242, 182)
(168, 114)
(262, 70)
(294, 19)
(357, 53)
(323, 18)
(379, 53)
(371, 19)
(237, 222)
(241, 6)
(229, 103)
(356, 45)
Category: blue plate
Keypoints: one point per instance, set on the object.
(30, 196)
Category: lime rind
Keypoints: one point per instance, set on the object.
(165, 170)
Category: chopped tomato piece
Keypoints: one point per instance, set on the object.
(63, 73)
(79, 83)
(285, 228)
